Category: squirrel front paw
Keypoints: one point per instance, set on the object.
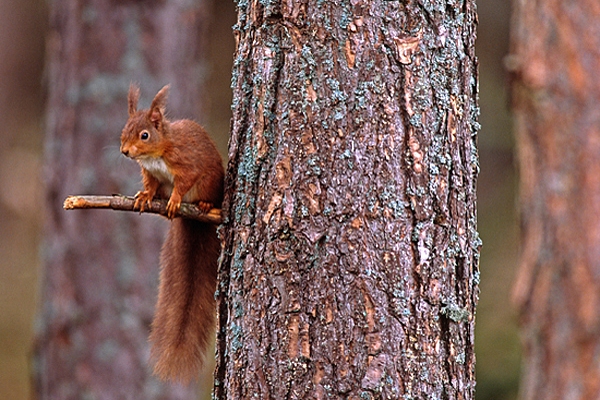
(141, 199)
(173, 206)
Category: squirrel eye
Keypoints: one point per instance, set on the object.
(144, 135)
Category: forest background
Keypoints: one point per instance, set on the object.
(23, 25)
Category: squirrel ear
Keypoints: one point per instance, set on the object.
(132, 98)
(157, 108)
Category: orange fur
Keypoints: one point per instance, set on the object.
(179, 162)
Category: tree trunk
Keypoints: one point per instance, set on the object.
(350, 266)
(556, 92)
(101, 267)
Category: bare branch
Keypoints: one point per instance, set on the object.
(125, 203)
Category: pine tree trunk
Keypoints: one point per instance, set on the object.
(101, 267)
(350, 267)
(556, 93)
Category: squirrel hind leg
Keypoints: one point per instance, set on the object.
(205, 206)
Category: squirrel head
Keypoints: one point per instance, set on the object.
(145, 132)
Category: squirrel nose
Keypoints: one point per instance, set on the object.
(125, 151)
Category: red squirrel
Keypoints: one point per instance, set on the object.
(180, 163)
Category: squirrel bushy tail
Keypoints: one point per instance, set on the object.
(184, 323)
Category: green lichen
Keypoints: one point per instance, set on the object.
(455, 313)
(236, 336)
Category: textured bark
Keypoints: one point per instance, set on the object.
(101, 268)
(556, 92)
(350, 266)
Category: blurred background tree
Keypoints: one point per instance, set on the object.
(555, 57)
(22, 37)
(98, 281)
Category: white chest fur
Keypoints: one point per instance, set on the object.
(157, 167)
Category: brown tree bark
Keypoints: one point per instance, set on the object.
(101, 267)
(556, 92)
(350, 266)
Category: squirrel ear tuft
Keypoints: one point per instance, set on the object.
(132, 98)
(157, 108)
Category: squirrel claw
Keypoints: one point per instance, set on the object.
(205, 206)
(172, 208)
(141, 199)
